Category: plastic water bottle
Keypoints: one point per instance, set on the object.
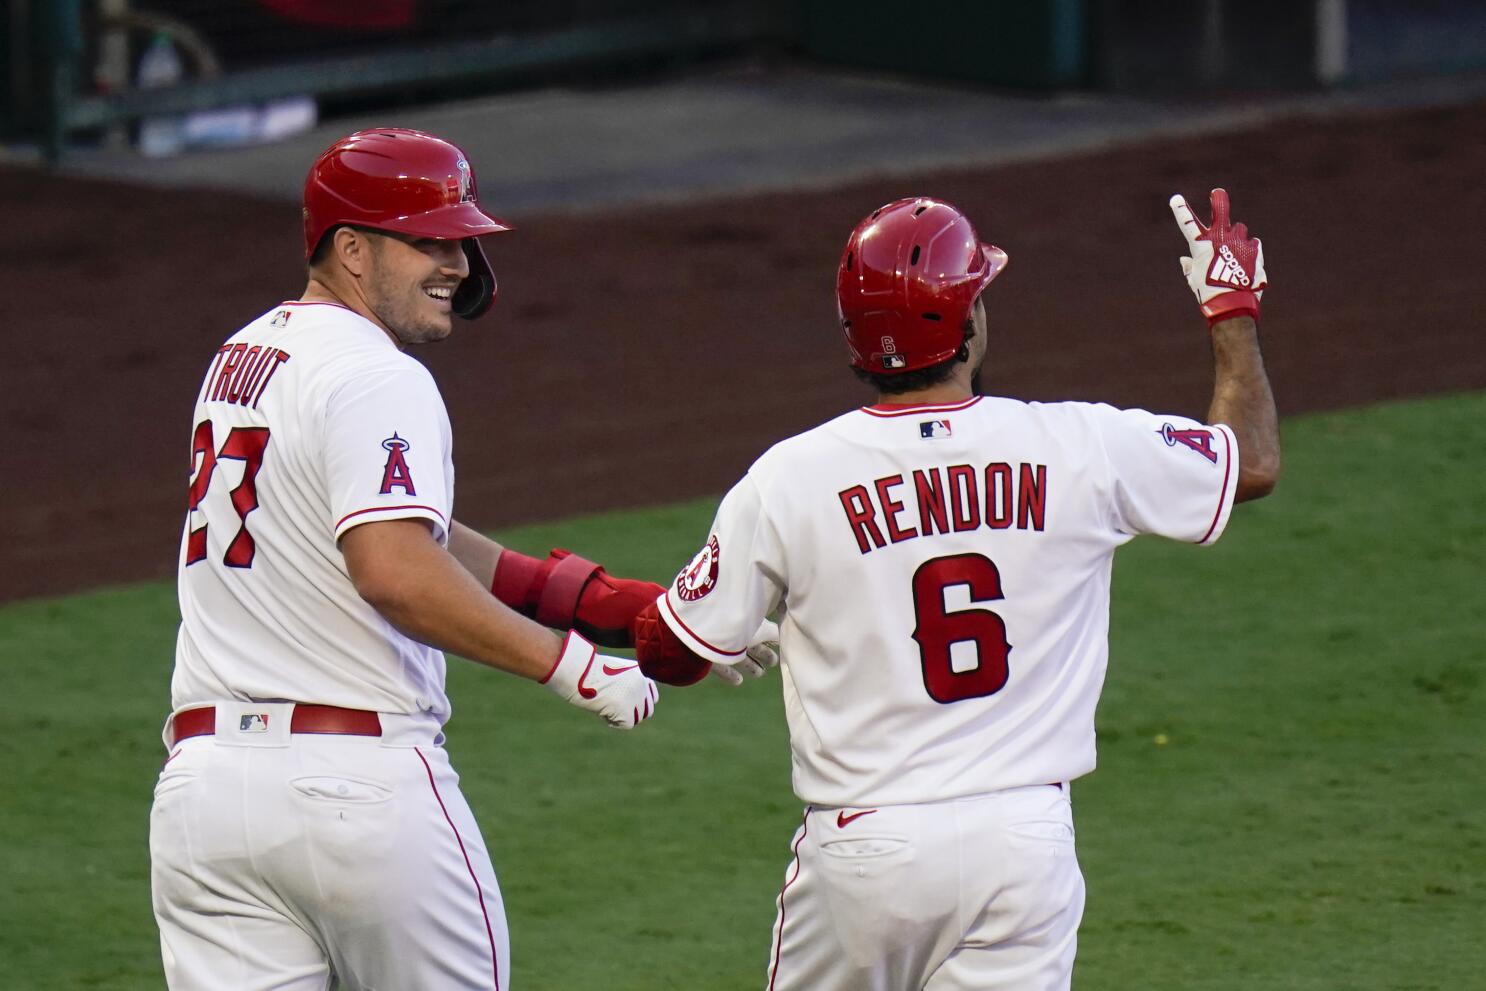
(160, 67)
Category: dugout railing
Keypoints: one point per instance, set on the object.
(70, 67)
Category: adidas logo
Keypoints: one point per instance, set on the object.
(1226, 271)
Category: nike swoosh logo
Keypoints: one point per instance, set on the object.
(843, 820)
(583, 689)
(613, 671)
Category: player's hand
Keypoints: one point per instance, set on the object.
(761, 655)
(613, 687)
(1226, 267)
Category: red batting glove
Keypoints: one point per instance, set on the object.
(1226, 268)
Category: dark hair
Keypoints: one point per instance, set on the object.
(919, 378)
(322, 250)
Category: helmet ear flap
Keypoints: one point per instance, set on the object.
(477, 291)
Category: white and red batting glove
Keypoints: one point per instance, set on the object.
(1226, 267)
(613, 687)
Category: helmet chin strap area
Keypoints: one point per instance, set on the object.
(477, 291)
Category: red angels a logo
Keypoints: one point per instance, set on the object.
(700, 577)
(395, 474)
(1200, 441)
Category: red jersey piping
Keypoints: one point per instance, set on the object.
(910, 409)
(693, 633)
(1223, 492)
(383, 509)
(315, 302)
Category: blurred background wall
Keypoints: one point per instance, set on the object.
(75, 71)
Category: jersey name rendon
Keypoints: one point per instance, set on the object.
(953, 499)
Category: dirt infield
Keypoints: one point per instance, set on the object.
(649, 355)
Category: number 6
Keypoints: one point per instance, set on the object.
(937, 630)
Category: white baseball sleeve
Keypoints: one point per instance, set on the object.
(1169, 475)
(388, 450)
(718, 602)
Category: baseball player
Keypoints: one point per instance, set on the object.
(307, 826)
(942, 562)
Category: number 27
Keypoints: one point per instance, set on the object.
(246, 444)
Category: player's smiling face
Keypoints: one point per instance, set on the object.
(410, 284)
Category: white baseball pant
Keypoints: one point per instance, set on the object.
(974, 894)
(300, 862)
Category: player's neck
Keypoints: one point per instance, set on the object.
(962, 384)
(324, 291)
(943, 394)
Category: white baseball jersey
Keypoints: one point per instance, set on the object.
(309, 422)
(945, 573)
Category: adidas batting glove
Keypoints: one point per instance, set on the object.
(1226, 267)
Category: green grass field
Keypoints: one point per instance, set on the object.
(1314, 816)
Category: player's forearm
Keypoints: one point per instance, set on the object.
(453, 613)
(425, 593)
(475, 552)
(1243, 401)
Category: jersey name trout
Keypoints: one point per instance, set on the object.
(942, 499)
(241, 372)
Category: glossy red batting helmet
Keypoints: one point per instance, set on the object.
(408, 182)
(908, 280)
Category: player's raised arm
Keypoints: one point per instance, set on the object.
(1225, 271)
(1242, 399)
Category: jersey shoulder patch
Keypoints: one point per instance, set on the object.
(699, 577)
(396, 474)
(1199, 440)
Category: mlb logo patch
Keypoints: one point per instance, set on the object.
(894, 361)
(281, 318)
(255, 723)
(935, 429)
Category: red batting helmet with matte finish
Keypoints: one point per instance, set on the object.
(408, 182)
(908, 280)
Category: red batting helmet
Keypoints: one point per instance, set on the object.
(408, 182)
(908, 280)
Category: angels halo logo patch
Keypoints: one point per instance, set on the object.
(395, 473)
(700, 576)
(1200, 441)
